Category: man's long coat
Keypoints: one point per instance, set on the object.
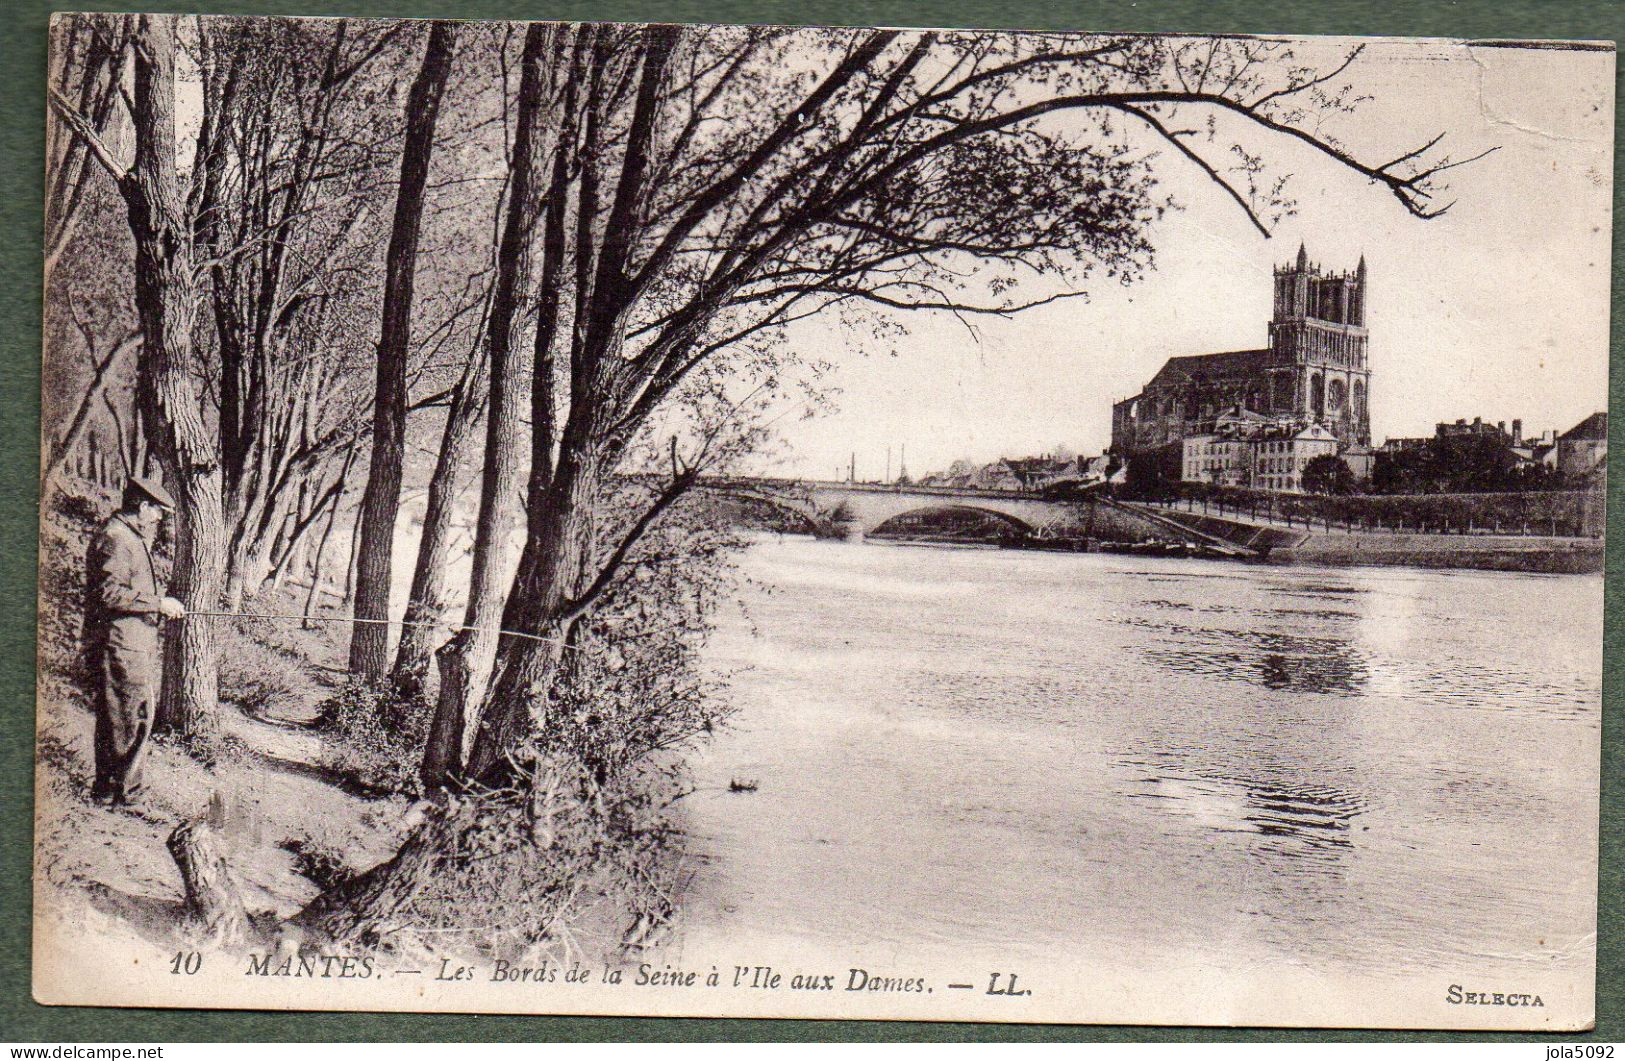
(121, 642)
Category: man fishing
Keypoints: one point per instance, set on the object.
(123, 606)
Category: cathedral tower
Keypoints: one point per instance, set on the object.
(1318, 342)
(1313, 371)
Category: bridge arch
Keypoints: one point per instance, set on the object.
(1015, 523)
(804, 514)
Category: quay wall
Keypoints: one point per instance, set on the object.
(1493, 552)
(1561, 555)
(1557, 514)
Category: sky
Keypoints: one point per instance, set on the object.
(1498, 309)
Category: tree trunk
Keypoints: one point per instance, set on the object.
(212, 898)
(293, 539)
(99, 80)
(238, 577)
(171, 410)
(427, 600)
(560, 517)
(466, 659)
(380, 504)
(351, 912)
(558, 530)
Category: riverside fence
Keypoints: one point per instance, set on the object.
(1558, 514)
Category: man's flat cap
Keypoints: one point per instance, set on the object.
(152, 491)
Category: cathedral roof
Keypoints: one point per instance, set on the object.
(1234, 364)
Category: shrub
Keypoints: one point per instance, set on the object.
(633, 683)
(525, 866)
(582, 831)
(375, 737)
(517, 866)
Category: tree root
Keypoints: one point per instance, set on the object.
(359, 910)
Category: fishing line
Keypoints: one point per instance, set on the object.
(379, 622)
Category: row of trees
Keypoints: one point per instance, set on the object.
(1448, 464)
(625, 223)
(1462, 464)
(248, 166)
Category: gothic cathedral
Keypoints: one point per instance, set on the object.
(1314, 371)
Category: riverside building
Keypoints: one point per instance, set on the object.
(1259, 456)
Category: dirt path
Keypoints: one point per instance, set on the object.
(268, 793)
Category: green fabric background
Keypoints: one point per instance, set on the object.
(22, 88)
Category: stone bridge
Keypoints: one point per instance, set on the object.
(856, 510)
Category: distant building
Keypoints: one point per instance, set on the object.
(1266, 457)
(1582, 450)
(1102, 469)
(1483, 429)
(959, 474)
(1586, 444)
(1315, 370)
(1362, 460)
(1035, 473)
(1218, 460)
(995, 476)
(1538, 452)
(1028, 473)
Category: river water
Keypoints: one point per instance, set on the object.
(1155, 768)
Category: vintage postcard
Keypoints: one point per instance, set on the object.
(796, 522)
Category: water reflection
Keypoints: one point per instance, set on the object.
(1301, 820)
(1300, 614)
(1272, 660)
(1317, 589)
(1318, 818)
(1335, 672)
(1287, 649)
